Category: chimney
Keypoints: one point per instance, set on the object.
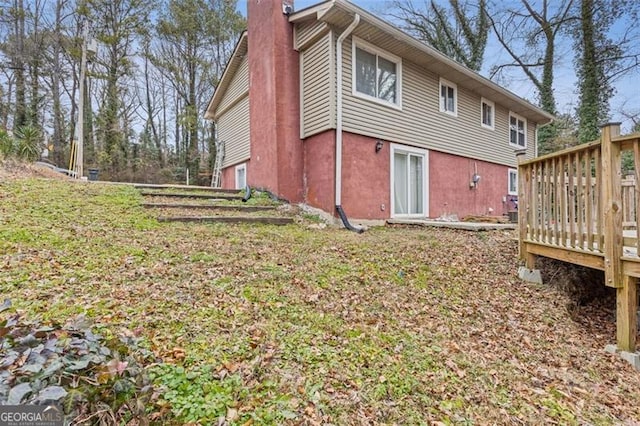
(274, 100)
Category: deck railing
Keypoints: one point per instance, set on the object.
(560, 198)
(575, 206)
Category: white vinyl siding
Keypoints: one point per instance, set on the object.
(317, 88)
(309, 32)
(420, 122)
(233, 130)
(238, 87)
(232, 117)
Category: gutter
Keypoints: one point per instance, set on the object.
(341, 38)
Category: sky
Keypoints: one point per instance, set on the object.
(627, 97)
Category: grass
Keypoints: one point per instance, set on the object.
(290, 325)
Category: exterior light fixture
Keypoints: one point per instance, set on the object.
(378, 146)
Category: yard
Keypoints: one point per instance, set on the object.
(295, 324)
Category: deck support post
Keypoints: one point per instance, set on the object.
(525, 175)
(530, 260)
(612, 204)
(626, 314)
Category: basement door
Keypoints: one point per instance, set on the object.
(408, 182)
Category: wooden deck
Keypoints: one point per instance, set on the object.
(575, 206)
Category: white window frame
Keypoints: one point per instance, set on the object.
(509, 190)
(524, 120)
(404, 149)
(242, 167)
(445, 82)
(492, 104)
(374, 50)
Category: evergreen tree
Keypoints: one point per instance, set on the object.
(117, 24)
(595, 59)
(194, 37)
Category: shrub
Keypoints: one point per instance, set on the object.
(91, 377)
(197, 394)
(29, 142)
(7, 144)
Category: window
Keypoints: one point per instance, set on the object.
(487, 113)
(241, 176)
(513, 182)
(448, 97)
(517, 130)
(376, 74)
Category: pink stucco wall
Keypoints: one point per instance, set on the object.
(365, 177)
(276, 148)
(366, 181)
(450, 192)
(319, 167)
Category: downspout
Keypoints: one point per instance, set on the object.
(341, 38)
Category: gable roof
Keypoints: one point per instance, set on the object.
(230, 69)
(340, 13)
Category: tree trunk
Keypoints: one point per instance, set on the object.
(588, 108)
(35, 53)
(192, 112)
(57, 141)
(150, 118)
(548, 133)
(20, 118)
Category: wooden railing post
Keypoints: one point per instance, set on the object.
(612, 205)
(524, 211)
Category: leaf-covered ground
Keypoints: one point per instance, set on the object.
(290, 325)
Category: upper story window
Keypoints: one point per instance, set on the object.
(376, 74)
(448, 97)
(487, 113)
(517, 130)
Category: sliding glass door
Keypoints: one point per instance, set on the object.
(409, 180)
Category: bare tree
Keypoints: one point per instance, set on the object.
(530, 36)
(460, 32)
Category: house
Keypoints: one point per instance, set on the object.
(332, 106)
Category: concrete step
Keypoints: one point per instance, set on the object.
(228, 219)
(185, 188)
(196, 212)
(216, 196)
(216, 207)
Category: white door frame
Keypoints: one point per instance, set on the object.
(238, 168)
(404, 149)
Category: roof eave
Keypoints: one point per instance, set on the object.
(345, 6)
(310, 12)
(227, 75)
